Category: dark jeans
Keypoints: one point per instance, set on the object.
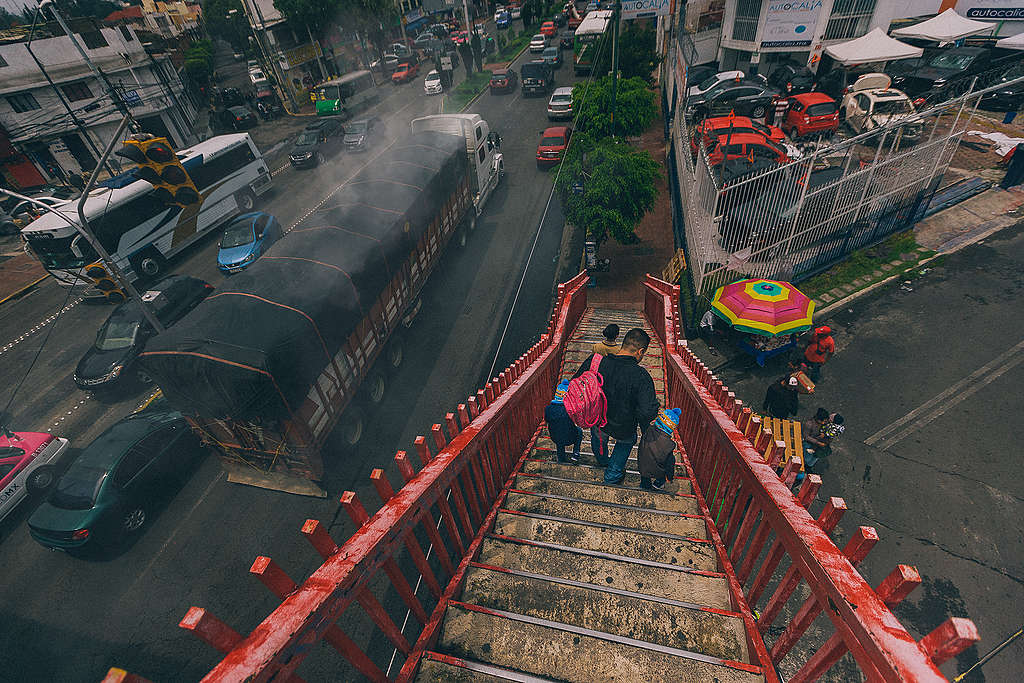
(813, 370)
(616, 462)
(560, 449)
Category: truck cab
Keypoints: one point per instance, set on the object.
(483, 152)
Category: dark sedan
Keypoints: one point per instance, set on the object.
(1007, 96)
(565, 41)
(238, 118)
(109, 360)
(107, 493)
(359, 135)
(503, 80)
(320, 136)
(747, 97)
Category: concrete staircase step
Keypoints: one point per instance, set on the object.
(663, 622)
(635, 575)
(599, 492)
(678, 551)
(545, 449)
(636, 518)
(578, 655)
(441, 667)
(582, 472)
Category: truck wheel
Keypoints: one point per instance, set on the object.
(41, 479)
(246, 201)
(374, 387)
(152, 264)
(353, 424)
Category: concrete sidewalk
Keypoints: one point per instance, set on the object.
(19, 271)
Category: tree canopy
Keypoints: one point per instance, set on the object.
(635, 109)
(638, 56)
(219, 22)
(618, 187)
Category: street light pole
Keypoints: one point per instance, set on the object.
(617, 12)
(86, 232)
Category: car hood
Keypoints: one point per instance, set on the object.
(49, 517)
(355, 137)
(96, 363)
(931, 73)
(234, 255)
(300, 149)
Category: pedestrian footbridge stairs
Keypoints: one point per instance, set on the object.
(581, 581)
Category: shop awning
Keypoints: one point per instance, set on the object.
(944, 28)
(874, 46)
(1012, 42)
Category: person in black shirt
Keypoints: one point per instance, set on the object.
(632, 403)
(781, 398)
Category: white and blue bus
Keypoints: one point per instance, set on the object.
(588, 38)
(141, 233)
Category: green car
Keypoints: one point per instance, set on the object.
(107, 491)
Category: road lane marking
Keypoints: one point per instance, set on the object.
(38, 326)
(937, 406)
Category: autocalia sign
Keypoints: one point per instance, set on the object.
(790, 24)
(643, 9)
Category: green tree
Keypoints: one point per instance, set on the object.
(527, 12)
(618, 187)
(226, 19)
(199, 61)
(635, 106)
(373, 19)
(478, 51)
(308, 13)
(638, 56)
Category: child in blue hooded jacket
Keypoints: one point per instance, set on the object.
(656, 458)
(562, 429)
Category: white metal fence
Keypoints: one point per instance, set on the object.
(794, 220)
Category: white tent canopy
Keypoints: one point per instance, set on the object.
(944, 28)
(1012, 42)
(873, 46)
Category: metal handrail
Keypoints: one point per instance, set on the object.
(474, 466)
(740, 485)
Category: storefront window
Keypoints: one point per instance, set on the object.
(849, 19)
(747, 14)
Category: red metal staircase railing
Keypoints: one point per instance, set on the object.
(471, 464)
(752, 506)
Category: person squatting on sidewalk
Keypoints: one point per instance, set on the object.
(656, 458)
(562, 429)
(629, 390)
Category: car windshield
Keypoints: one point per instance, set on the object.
(538, 38)
(708, 82)
(78, 488)
(552, 141)
(116, 334)
(237, 235)
(951, 61)
(433, 77)
(307, 138)
(893, 106)
(822, 109)
(561, 98)
(357, 128)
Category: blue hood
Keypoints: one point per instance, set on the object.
(234, 255)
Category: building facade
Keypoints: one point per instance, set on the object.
(60, 116)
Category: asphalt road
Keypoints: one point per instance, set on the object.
(929, 382)
(69, 619)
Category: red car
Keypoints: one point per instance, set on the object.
(752, 146)
(811, 113)
(718, 126)
(549, 29)
(503, 80)
(460, 38)
(405, 72)
(552, 145)
(27, 462)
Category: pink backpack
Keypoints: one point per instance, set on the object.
(585, 400)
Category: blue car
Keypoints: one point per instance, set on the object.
(245, 239)
(501, 19)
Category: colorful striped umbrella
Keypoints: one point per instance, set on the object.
(766, 307)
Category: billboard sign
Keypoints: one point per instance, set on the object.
(645, 9)
(790, 23)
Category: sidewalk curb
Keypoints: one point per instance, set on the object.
(949, 247)
(24, 289)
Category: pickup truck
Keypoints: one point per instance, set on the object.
(949, 72)
(299, 343)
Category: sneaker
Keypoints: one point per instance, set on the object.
(658, 485)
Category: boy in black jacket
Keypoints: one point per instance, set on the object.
(656, 458)
(562, 429)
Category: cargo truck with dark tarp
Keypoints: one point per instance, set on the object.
(274, 360)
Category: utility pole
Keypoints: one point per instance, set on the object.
(86, 232)
(465, 8)
(616, 13)
(100, 76)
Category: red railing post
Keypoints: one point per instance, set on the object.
(210, 629)
(952, 637)
(115, 675)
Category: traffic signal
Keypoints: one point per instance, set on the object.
(158, 165)
(105, 282)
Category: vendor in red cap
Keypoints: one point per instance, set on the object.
(819, 350)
